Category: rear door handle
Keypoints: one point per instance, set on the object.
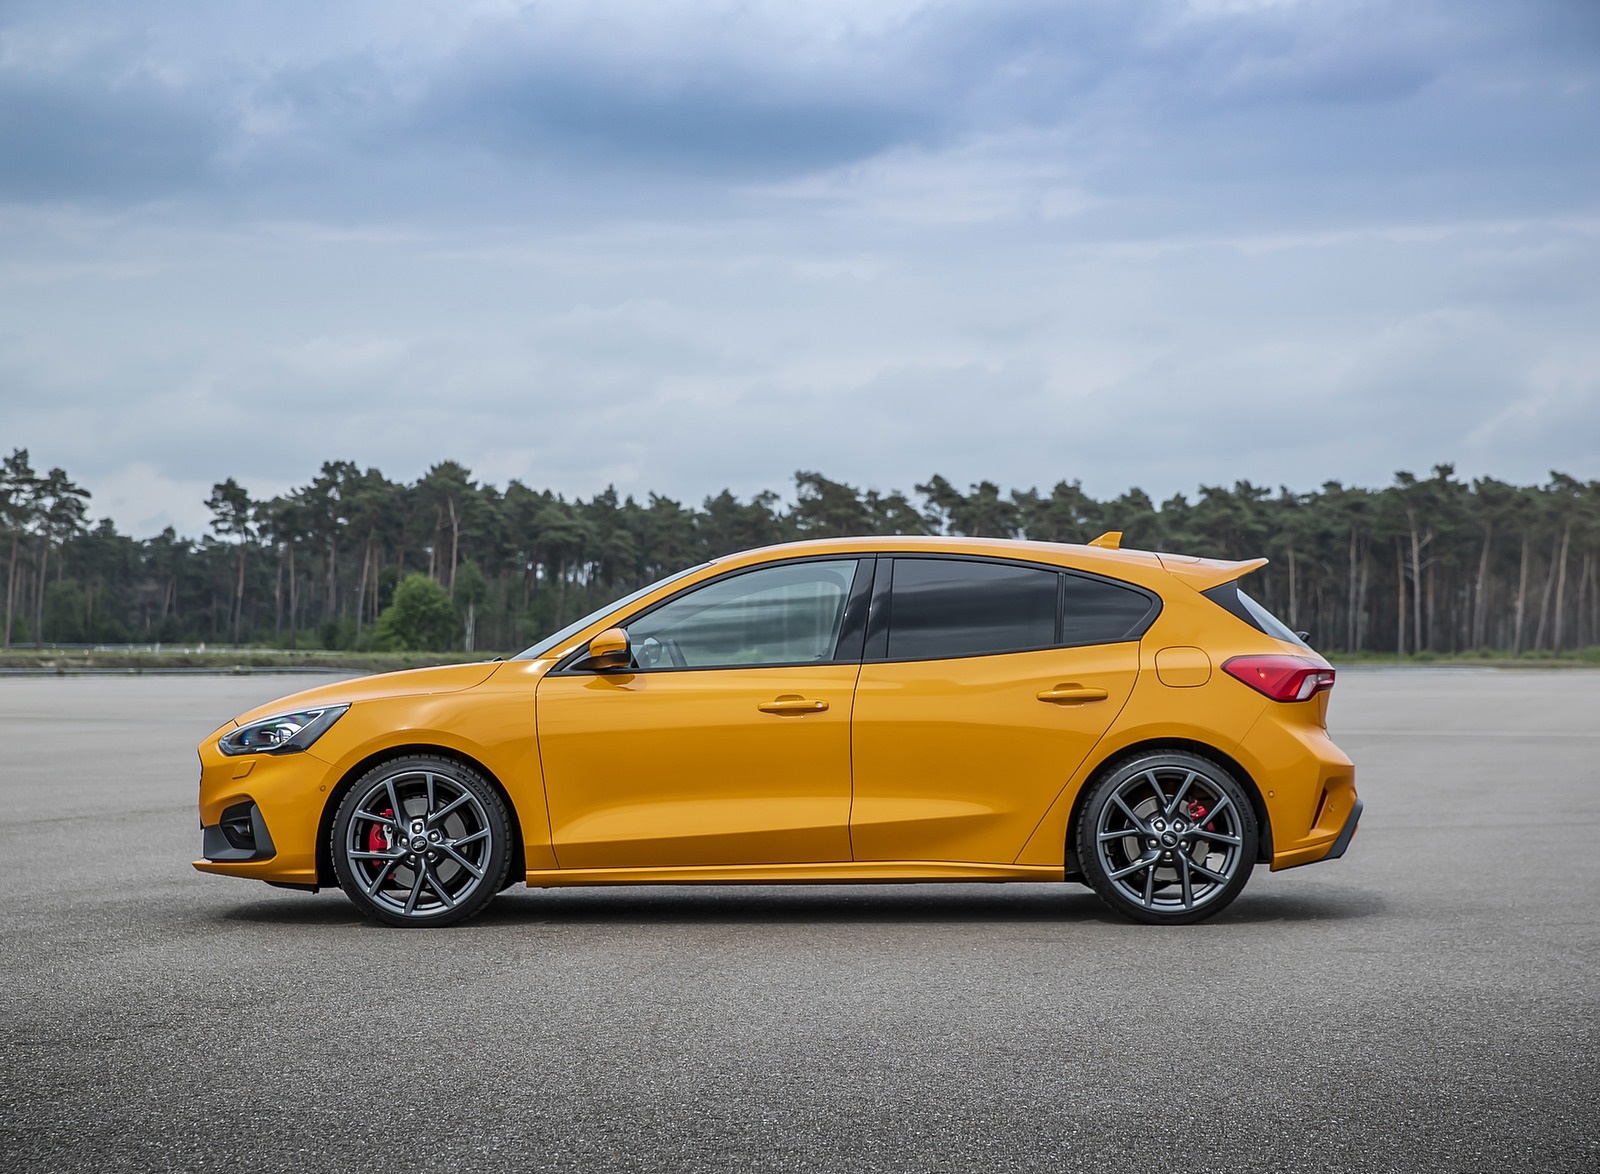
(1072, 694)
(792, 705)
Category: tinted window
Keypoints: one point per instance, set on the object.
(946, 607)
(1269, 623)
(1100, 613)
(1232, 597)
(776, 615)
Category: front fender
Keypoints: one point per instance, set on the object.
(492, 725)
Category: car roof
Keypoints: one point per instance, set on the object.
(1138, 566)
(940, 544)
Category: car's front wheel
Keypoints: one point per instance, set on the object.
(421, 841)
(1167, 838)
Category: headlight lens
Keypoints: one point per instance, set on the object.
(285, 733)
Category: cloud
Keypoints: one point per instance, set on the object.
(270, 104)
(686, 245)
(528, 98)
(101, 140)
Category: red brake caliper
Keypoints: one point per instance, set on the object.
(378, 839)
(1197, 812)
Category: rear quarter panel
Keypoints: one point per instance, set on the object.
(1219, 713)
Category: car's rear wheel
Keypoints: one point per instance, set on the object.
(1167, 838)
(421, 841)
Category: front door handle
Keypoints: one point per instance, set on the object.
(792, 705)
(1072, 694)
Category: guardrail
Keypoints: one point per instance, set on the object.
(217, 670)
(200, 649)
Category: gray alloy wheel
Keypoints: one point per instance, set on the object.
(421, 841)
(1167, 838)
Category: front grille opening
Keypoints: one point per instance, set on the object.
(238, 825)
(239, 837)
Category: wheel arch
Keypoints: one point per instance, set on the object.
(515, 868)
(1226, 761)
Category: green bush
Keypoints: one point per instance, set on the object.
(421, 618)
(64, 610)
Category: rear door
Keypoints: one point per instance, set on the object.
(985, 685)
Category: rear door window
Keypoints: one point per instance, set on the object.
(942, 608)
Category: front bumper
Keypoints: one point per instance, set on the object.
(240, 837)
(259, 815)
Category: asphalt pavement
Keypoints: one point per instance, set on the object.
(1428, 1003)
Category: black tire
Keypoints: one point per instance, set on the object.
(1172, 860)
(442, 862)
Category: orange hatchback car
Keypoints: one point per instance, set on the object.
(874, 709)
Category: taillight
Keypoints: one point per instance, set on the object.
(1282, 678)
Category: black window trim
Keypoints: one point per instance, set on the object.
(852, 626)
(1226, 596)
(879, 618)
(868, 628)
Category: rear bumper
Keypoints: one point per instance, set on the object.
(1317, 853)
(1346, 833)
(1307, 784)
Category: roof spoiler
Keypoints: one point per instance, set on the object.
(1205, 573)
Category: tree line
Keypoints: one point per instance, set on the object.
(355, 560)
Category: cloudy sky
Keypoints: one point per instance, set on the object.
(682, 246)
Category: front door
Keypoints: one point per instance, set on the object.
(728, 740)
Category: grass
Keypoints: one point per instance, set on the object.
(1479, 657)
(224, 660)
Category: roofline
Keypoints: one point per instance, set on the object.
(924, 543)
(935, 542)
(1199, 573)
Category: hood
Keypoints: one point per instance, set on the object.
(450, 678)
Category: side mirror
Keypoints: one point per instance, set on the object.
(609, 650)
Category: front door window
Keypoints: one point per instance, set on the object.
(784, 615)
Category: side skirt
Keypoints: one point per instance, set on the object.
(836, 872)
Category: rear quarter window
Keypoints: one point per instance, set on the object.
(1096, 612)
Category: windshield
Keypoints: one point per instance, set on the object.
(555, 639)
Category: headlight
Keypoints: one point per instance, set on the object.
(287, 733)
